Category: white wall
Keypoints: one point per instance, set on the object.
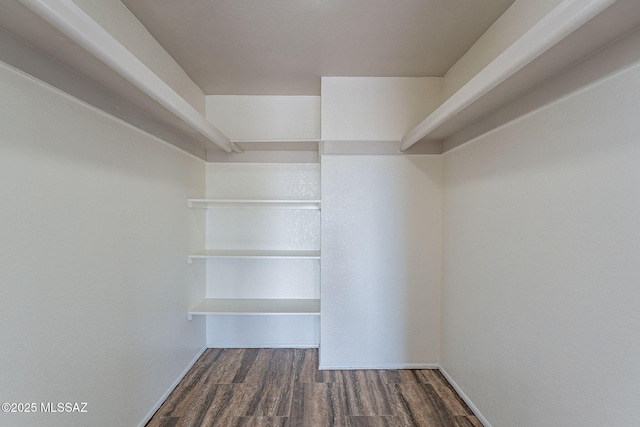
(94, 283)
(376, 108)
(381, 261)
(541, 248)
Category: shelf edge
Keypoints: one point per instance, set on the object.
(199, 311)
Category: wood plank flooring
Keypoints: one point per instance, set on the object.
(284, 388)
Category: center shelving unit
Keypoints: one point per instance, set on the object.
(251, 306)
(245, 306)
(260, 256)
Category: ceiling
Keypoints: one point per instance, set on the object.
(282, 47)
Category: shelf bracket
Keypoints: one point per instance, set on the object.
(236, 148)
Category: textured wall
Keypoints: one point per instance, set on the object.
(381, 261)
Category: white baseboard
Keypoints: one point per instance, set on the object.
(158, 404)
(464, 397)
(384, 366)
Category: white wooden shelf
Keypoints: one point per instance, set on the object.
(76, 24)
(255, 254)
(253, 203)
(564, 37)
(255, 307)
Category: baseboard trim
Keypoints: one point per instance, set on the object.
(385, 366)
(464, 397)
(158, 404)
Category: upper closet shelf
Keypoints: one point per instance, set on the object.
(570, 32)
(83, 29)
(254, 203)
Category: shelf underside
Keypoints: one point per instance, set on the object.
(232, 306)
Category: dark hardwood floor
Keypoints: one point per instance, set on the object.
(283, 387)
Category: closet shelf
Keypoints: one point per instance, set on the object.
(254, 307)
(568, 34)
(168, 106)
(256, 254)
(253, 203)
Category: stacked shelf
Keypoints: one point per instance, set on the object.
(246, 306)
(233, 306)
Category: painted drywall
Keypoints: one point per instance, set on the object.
(376, 108)
(540, 276)
(265, 117)
(516, 21)
(94, 237)
(260, 228)
(381, 261)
